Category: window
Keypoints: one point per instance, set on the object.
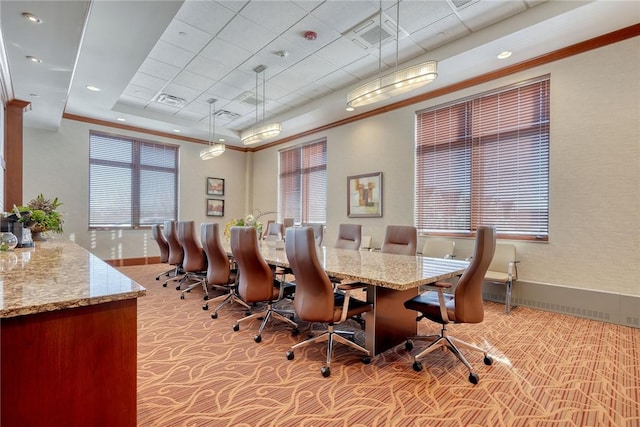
(132, 183)
(303, 183)
(485, 160)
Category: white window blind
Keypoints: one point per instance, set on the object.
(485, 160)
(303, 183)
(132, 183)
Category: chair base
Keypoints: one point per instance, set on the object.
(196, 280)
(450, 343)
(230, 297)
(266, 315)
(331, 336)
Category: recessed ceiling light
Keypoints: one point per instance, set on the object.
(220, 139)
(121, 119)
(34, 59)
(349, 108)
(93, 88)
(504, 55)
(32, 18)
(176, 130)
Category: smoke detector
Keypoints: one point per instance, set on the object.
(310, 35)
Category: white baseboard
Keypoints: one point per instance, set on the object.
(597, 305)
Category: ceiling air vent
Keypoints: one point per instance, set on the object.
(226, 115)
(369, 32)
(174, 101)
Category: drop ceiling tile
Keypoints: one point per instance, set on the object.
(244, 80)
(132, 100)
(294, 99)
(242, 108)
(208, 16)
(484, 13)
(276, 16)
(244, 33)
(208, 68)
(225, 53)
(415, 15)
(186, 36)
(224, 90)
(189, 115)
(158, 69)
(140, 92)
(440, 33)
(339, 79)
(193, 80)
(344, 15)
(310, 5)
(147, 81)
(171, 54)
(364, 67)
(341, 52)
(162, 108)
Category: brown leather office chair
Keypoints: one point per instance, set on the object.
(163, 246)
(400, 239)
(464, 306)
(195, 261)
(349, 236)
(255, 279)
(318, 232)
(219, 271)
(176, 253)
(315, 299)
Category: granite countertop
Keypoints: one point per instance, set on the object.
(56, 275)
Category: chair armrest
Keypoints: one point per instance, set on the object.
(513, 270)
(350, 286)
(443, 285)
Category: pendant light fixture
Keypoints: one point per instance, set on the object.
(212, 150)
(395, 83)
(260, 132)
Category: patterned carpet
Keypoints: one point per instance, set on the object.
(549, 370)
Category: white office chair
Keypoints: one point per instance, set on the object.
(439, 248)
(503, 269)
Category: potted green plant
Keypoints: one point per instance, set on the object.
(40, 215)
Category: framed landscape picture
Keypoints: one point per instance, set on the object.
(215, 186)
(215, 207)
(364, 195)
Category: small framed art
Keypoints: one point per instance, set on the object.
(215, 186)
(364, 195)
(215, 207)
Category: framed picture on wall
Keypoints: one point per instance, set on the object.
(215, 207)
(364, 195)
(215, 186)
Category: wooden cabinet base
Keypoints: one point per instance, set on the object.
(73, 367)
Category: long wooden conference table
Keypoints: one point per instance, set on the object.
(391, 279)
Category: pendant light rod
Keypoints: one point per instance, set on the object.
(213, 149)
(260, 131)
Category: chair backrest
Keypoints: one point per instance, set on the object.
(439, 248)
(275, 231)
(287, 222)
(505, 254)
(194, 258)
(469, 306)
(218, 265)
(176, 253)
(349, 236)
(400, 239)
(313, 300)
(255, 279)
(163, 245)
(318, 232)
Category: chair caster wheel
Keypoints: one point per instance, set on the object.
(182, 296)
(474, 378)
(325, 371)
(417, 366)
(214, 315)
(157, 278)
(257, 338)
(236, 327)
(164, 285)
(178, 288)
(206, 297)
(205, 307)
(247, 313)
(289, 355)
(488, 360)
(366, 360)
(408, 345)
(295, 332)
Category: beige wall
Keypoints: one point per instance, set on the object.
(595, 175)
